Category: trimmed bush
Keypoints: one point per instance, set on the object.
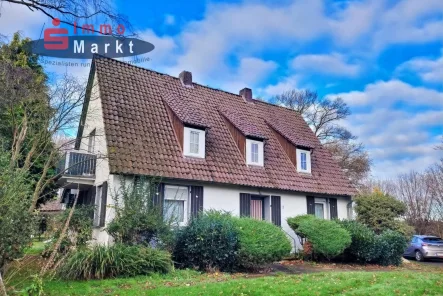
(294, 222)
(260, 242)
(210, 241)
(100, 262)
(391, 245)
(363, 247)
(327, 237)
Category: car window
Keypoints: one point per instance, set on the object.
(414, 240)
(432, 240)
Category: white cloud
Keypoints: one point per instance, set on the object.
(254, 70)
(334, 64)
(250, 72)
(397, 139)
(283, 85)
(386, 93)
(429, 70)
(169, 19)
(409, 21)
(355, 20)
(247, 27)
(163, 54)
(14, 17)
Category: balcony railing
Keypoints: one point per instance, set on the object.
(75, 163)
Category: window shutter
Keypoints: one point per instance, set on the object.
(276, 210)
(333, 208)
(245, 205)
(310, 201)
(103, 203)
(91, 198)
(196, 200)
(159, 196)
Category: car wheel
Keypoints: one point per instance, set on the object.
(419, 256)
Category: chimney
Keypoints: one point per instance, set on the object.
(186, 78)
(246, 93)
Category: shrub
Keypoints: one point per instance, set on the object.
(260, 242)
(391, 245)
(379, 211)
(210, 241)
(294, 222)
(16, 223)
(363, 247)
(101, 262)
(138, 217)
(327, 237)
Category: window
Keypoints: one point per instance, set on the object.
(194, 142)
(319, 210)
(91, 143)
(350, 211)
(303, 161)
(303, 164)
(175, 206)
(254, 152)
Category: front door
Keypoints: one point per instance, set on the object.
(257, 208)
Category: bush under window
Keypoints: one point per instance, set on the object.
(138, 218)
(209, 241)
(260, 242)
(328, 238)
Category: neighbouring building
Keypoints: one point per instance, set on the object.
(216, 149)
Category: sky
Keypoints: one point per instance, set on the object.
(383, 57)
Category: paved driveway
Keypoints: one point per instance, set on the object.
(433, 262)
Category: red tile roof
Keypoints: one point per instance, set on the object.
(141, 139)
(51, 206)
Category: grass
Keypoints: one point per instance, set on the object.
(36, 248)
(192, 283)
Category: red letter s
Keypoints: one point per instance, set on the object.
(57, 42)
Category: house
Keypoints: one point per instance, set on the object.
(219, 150)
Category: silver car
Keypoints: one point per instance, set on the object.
(424, 247)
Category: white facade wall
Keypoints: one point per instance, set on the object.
(94, 120)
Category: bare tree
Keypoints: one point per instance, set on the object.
(414, 189)
(35, 115)
(71, 11)
(323, 116)
(352, 158)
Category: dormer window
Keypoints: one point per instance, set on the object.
(194, 142)
(254, 152)
(303, 161)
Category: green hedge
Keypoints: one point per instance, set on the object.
(216, 240)
(327, 237)
(260, 243)
(209, 241)
(391, 245)
(100, 262)
(363, 247)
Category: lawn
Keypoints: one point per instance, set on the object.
(327, 283)
(36, 248)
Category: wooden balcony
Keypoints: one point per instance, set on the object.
(77, 170)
